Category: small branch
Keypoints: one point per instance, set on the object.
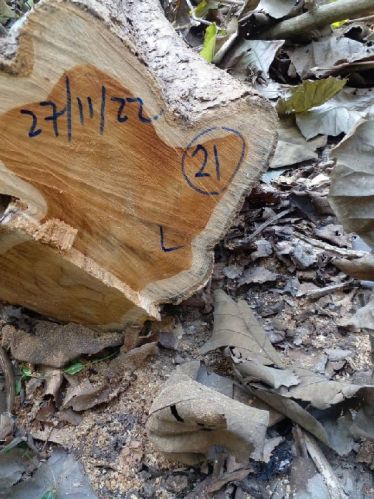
(238, 3)
(329, 247)
(10, 386)
(324, 467)
(315, 294)
(318, 18)
(267, 223)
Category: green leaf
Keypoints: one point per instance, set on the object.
(50, 494)
(18, 386)
(209, 42)
(204, 7)
(74, 368)
(26, 372)
(339, 24)
(310, 94)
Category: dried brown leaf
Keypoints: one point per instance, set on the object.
(360, 268)
(53, 381)
(235, 325)
(318, 57)
(188, 419)
(292, 410)
(54, 344)
(276, 8)
(257, 275)
(319, 391)
(86, 395)
(292, 147)
(352, 187)
(364, 316)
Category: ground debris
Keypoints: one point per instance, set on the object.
(55, 345)
(261, 369)
(60, 476)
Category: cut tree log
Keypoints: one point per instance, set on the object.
(123, 159)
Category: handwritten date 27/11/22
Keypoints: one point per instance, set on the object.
(86, 109)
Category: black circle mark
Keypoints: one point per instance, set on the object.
(208, 130)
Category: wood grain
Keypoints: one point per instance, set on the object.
(116, 189)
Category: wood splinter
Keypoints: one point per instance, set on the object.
(125, 156)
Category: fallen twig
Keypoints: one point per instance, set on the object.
(329, 247)
(267, 223)
(318, 293)
(323, 466)
(317, 18)
(10, 386)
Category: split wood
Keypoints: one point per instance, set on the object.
(126, 157)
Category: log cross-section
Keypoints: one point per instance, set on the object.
(123, 159)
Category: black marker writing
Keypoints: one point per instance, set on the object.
(56, 114)
(33, 131)
(162, 242)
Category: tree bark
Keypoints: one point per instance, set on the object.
(126, 157)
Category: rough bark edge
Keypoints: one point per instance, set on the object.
(126, 20)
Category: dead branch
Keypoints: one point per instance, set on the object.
(318, 18)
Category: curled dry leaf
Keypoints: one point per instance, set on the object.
(62, 436)
(322, 55)
(254, 356)
(252, 57)
(71, 417)
(352, 187)
(53, 381)
(232, 328)
(292, 147)
(338, 115)
(129, 361)
(55, 345)
(334, 234)
(321, 392)
(291, 410)
(360, 268)
(84, 395)
(276, 8)
(188, 420)
(364, 317)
